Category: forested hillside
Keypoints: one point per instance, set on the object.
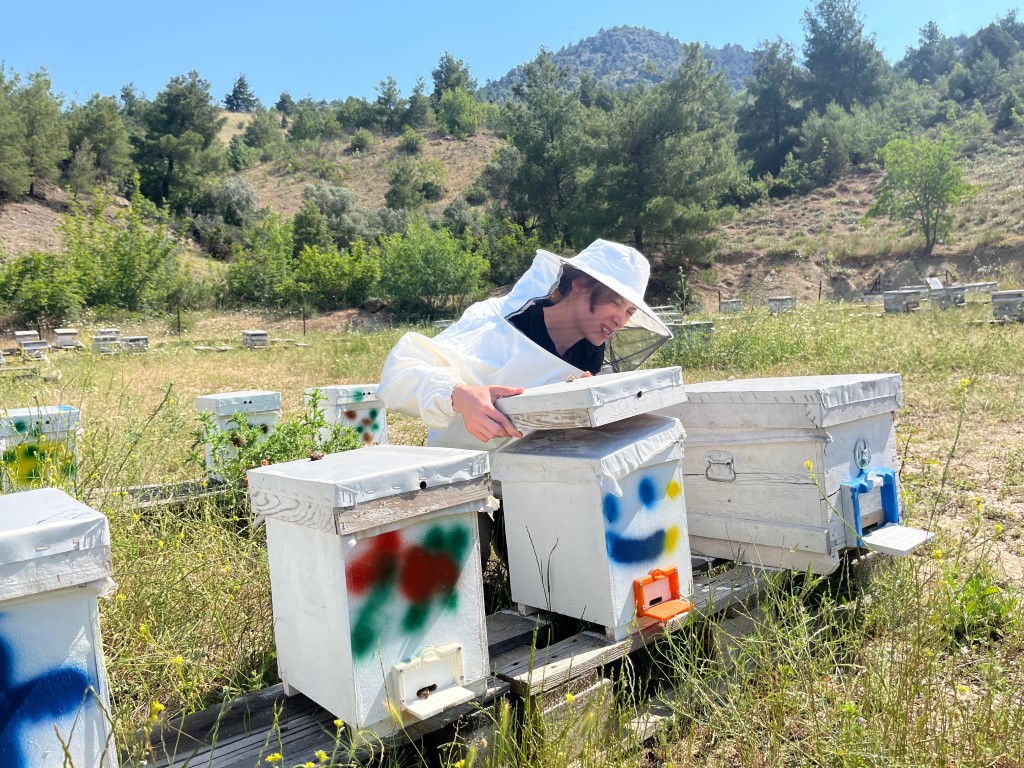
(816, 163)
(623, 57)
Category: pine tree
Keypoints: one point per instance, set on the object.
(241, 98)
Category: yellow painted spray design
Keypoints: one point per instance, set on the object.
(31, 462)
(37, 447)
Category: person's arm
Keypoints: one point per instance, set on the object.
(418, 379)
(422, 378)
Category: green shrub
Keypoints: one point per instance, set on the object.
(411, 141)
(362, 141)
(244, 446)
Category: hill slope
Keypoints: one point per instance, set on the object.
(793, 246)
(621, 57)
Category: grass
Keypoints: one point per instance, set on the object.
(919, 665)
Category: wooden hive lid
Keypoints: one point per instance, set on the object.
(357, 489)
(603, 454)
(246, 401)
(592, 401)
(48, 541)
(793, 402)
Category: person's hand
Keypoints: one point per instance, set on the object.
(476, 406)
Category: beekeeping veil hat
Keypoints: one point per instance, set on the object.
(621, 268)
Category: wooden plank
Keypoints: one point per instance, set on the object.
(539, 671)
(509, 629)
(368, 514)
(242, 732)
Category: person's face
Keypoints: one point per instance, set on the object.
(600, 323)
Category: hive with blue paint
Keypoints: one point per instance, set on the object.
(790, 472)
(376, 579)
(54, 698)
(589, 511)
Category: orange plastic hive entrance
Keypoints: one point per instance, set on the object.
(657, 595)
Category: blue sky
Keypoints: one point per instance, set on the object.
(331, 50)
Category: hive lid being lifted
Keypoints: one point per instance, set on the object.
(48, 541)
(230, 403)
(603, 454)
(794, 402)
(594, 400)
(361, 488)
(38, 420)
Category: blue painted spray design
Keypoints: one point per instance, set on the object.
(622, 549)
(51, 695)
(625, 550)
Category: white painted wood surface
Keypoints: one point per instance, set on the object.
(749, 493)
(588, 511)
(260, 408)
(54, 564)
(374, 559)
(37, 440)
(337, 644)
(355, 406)
(592, 401)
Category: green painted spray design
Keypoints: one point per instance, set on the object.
(28, 462)
(417, 578)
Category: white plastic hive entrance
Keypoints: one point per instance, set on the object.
(431, 682)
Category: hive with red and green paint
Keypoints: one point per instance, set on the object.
(355, 406)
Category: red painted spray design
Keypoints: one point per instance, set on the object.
(425, 573)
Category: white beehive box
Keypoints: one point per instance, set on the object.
(591, 401)
(54, 563)
(35, 349)
(106, 341)
(902, 300)
(749, 493)
(356, 406)
(590, 511)
(21, 337)
(259, 407)
(66, 338)
(730, 306)
(1008, 305)
(135, 344)
(952, 296)
(255, 339)
(777, 304)
(376, 581)
(37, 443)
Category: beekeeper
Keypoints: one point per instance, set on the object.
(564, 317)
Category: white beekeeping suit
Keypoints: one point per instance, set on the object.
(483, 348)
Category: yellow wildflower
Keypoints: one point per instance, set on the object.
(339, 723)
(155, 708)
(964, 384)
(178, 661)
(321, 756)
(275, 758)
(570, 698)
(810, 465)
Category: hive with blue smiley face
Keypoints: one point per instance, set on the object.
(588, 511)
